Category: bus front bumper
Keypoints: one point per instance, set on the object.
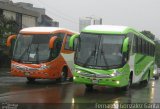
(118, 81)
(37, 74)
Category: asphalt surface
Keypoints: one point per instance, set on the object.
(18, 93)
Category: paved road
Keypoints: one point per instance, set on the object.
(15, 90)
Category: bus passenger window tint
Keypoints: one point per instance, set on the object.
(60, 35)
(67, 42)
(110, 53)
(32, 48)
(102, 51)
(57, 48)
(142, 46)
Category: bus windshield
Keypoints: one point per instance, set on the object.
(99, 51)
(32, 48)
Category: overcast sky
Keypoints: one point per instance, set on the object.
(140, 14)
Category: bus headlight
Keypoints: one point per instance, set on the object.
(117, 82)
(77, 71)
(43, 67)
(115, 73)
(154, 72)
(74, 78)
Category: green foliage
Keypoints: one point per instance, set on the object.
(8, 26)
(148, 34)
(157, 53)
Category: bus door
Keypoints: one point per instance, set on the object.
(67, 53)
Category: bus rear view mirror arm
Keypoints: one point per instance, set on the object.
(125, 45)
(51, 42)
(9, 40)
(71, 41)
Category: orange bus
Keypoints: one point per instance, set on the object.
(42, 53)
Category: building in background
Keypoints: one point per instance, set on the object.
(43, 19)
(85, 21)
(23, 15)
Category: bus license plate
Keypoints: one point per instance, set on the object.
(26, 74)
(95, 81)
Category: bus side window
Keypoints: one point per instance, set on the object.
(147, 46)
(56, 49)
(60, 38)
(60, 35)
(153, 50)
(149, 49)
(135, 44)
(139, 45)
(131, 42)
(66, 47)
(143, 46)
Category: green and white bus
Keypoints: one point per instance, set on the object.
(115, 56)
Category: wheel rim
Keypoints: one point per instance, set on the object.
(63, 76)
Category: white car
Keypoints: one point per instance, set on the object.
(156, 72)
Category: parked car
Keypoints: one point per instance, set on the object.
(156, 72)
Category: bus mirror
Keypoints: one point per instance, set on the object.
(51, 41)
(125, 45)
(72, 39)
(9, 40)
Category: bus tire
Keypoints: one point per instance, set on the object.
(148, 79)
(125, 88)
(145, 82)
(31, 80)
(71, 79)
(89, 87)
(64, 75)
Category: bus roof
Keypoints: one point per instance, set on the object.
(105, 29)
(112, 29)
(43, 30)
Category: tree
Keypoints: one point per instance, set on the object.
(8, 26)
(148, 34)
(157, 53)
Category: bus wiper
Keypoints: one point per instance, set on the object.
(37, 53)
(104, 57)
(93, 53)
(79, 44)
(115, 65)
(25, 51)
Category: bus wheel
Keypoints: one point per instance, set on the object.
(89, 87)
(125, 88)
(63, 77)
(71, 79)
(147, 80)
(31, 79)
(130, 81)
